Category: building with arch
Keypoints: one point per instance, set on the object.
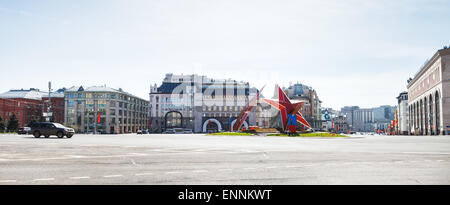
(429, 96)
(198, 103)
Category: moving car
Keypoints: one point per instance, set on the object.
(49, 128)
(23, 130)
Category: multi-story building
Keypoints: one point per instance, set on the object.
(368, 119)
(311, 110)
(100, 109)
(363, 120)
(29, 105)
(429, 96)
(348, 111)
(339, 124)
(198, 103)
(402, 113)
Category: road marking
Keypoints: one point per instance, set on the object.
(137, 154)
(130, 146)
(44, 179)
(77, 156)
(273, 167)
(111, 176)
(143, 174)
(225, 170)
(8, 181)
(174, 172)
(249, 168)
(200, 171)
(84, 177)
(426, 153)
(296, 166)
(440, 160)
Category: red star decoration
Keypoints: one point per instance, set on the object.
(286, 107)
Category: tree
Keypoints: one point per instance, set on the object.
(13, 123)
(2, 125)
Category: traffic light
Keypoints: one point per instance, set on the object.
(98, 118)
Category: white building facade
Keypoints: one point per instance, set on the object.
(402, 109)
(429, 96)
(198, 103)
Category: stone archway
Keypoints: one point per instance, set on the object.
(205, 124)
(173, 119)
(245, 124)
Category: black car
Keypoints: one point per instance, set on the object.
(49, 128)
(23, 131)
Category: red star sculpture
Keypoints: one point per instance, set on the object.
(286, 107)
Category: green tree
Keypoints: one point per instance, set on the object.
(13, 123)
(2, 125)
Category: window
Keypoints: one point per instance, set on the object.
(70, 103)
(71, 95)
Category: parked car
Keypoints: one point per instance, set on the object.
(139, 132)
(23, 130)
(49, 128)
(188, 131)
(144, 131)
(169, 131)
(179, 130)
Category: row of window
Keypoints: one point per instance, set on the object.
(220, 108)
(103, 103)
(220, 114)
(105, 96)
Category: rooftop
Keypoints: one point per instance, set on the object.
(428, 62)
(103, 88)
(32, 93)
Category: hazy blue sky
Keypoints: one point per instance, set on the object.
(352, 52)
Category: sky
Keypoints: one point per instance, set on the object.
(352, 52)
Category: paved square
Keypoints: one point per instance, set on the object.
(202, 159)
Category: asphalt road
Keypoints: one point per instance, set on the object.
(200, 159)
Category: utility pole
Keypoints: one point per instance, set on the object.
(95, 112)
(49, 100)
